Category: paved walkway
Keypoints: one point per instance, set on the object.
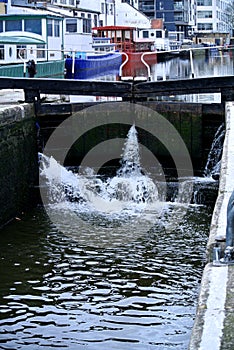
(214, 324)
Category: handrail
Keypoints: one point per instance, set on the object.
(146, 64)
(123, 64)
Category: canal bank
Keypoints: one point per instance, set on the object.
(18, 155)
(214, 323)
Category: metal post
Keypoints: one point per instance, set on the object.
(73, 64)
(191, 62)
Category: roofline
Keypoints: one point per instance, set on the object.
(25, 15)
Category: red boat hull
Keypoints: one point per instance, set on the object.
(135, 57)
(135, 67)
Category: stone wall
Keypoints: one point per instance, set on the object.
(18, 157)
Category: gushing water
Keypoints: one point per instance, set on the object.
(130, 189)
(214, 157)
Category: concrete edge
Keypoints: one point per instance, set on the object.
(13, 113)
(209, 321)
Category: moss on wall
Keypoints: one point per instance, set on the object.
(18, 157)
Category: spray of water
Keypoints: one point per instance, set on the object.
(130, 190)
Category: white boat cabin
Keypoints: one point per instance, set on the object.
(24, 37)
(159, 38)
(102, 45)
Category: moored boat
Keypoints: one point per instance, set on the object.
(23, 38)
(131, 41)
(104, 57)
(85, 65)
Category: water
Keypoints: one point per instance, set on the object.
(214, 157)
(64, 288)
(215, 64)
(56, 293)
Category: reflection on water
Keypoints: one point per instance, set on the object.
(217, 63)
(56, 293)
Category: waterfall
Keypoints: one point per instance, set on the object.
(212, 168)
(129, 186)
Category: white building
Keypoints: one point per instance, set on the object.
(122, 13)
(212, 19)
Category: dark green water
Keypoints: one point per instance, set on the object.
(54, 293)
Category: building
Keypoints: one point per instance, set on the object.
(122, 13)
(148, 7)
(194, 18)
(212, 21)
(175, 14)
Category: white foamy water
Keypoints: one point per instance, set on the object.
(129, 201)
(130, 189)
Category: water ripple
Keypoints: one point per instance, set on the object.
(56, 294)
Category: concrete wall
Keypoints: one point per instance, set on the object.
(214, 326)
(18, 157)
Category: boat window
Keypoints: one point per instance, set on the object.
(56, 28)
(33, 26)
(21, 51)
(10, 51)
(2, 52)
(87, 25)
(71, 25)
(127, 34)
(145, 33)
(50, 27)
(1, 26)
(158, 34)
(13, 25)
(40, 51)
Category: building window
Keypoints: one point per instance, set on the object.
(50, 27)
(56, 28)
(21, 51)
(204, 14)
(13, 25)
(71, 25)
(40, 51)
(2, 52)
(205, 26)
(33, 26)
(72, 2)
(87, 25)
(204, 3)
